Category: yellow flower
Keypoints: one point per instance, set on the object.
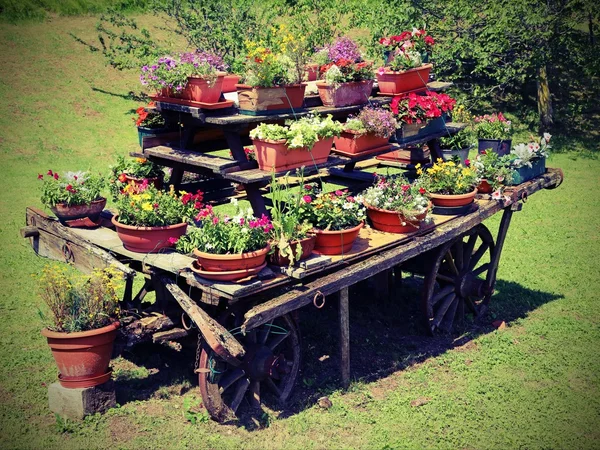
(141, 160)
(418, 166)
(147, 206)
(419, 171)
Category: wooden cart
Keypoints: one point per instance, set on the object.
(248, 339)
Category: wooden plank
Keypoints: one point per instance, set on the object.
(344, 319)
(216, 336)
(170, 335)
(136, 331)
(208, 161)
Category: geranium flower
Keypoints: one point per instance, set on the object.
(172, 240)
(40, 176)
(307, 199)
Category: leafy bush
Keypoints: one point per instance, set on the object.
(396, 194)
(301, 133)
(447, 178)
(72, 188)
(332, 211)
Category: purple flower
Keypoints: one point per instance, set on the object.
(344, 48)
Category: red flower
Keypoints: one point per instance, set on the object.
(394, 104)
(122, 178)
(215, 220)
(421, 190)
(140, 110)
(172, 240)
(70, 188)
(308, 187)
(50, 173)
(429, 40)
(186, 198)
(467, 162)
(55, 176)
(404, 35)
(405, 187)
(152, 105)
(40, 176)
(350, 199)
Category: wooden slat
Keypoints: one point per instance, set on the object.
(214, 163)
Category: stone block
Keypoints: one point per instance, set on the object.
(80, 402)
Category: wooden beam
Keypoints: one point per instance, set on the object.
(344, 319)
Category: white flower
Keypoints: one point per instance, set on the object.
(547, 137)
(234, 202)
(80, 176)
(208, 246)
(497, 195)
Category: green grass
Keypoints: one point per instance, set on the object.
(533, 385)
(18, 11)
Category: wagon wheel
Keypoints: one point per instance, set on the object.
(269, 368)
(461, 276)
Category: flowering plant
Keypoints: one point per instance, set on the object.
(492, 126)
(413, 108)
(148, 117)
(79, 303)
(143, 205)
(407, 49)
(523, 154)
(72, 188)
(287, 224)
(447, 178)
(226, 235)
(493, 168)
(136, 168)
(301, 133)
(396, 194)
(332, 211)
(344, 70)
(343, 48)
(457, 141)
(370, 120)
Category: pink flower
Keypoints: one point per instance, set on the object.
(497, 195)
(215, 220)
(242, 221)
(172, 240)
(467, 162)
(40, 176)
(350, 199)
(339, 193)
(405, 187)
(308, 187)
(307, 199)
(381, 71)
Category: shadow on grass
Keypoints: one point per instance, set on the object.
(385, 336)
(136, 96)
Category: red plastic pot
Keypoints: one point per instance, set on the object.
(148, 239)
(411, 80)
(211, 262)
(453, 200)
(354, 143)
(345, 94)
(312, 72)
(83, 357)
(270, 100)
(307, 244)
(229, 82)
(484, 187)
(336, 242)
(392, 221)
(199, 90)
(65, 213)
(275, 154)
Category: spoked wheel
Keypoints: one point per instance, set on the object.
(461, 276)
(268, 370)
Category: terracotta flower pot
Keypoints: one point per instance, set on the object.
(229, 82)
(275, 154)
(336, 242)
(199, 90)
(148, 239)
(270, 100)
(354, 143)
(411, 80)
(307, 244)
(345, 94)
(157, 182)
(211, 262)
(65, 213)
(453, 200)
(392, 221)
(82, 357)
(312, 72)
(484, 187)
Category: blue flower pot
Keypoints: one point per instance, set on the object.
(501, 147)
(144, 132)
(525, 173)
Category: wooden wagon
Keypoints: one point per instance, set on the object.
(248, 339)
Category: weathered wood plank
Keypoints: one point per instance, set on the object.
(136, 331)
(216, 336)
(344, 320)
(208, 161)
(169, 335)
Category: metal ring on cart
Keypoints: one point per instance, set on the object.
(319, 296)
(67, 252)
(524, 197)
(185, 326)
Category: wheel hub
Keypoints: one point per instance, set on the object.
(470, 286)
(260, 363)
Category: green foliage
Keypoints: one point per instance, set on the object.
(72, 188)
(193, 411)
(447, 178)
(397, 194)
(493, 168)
(138, 168)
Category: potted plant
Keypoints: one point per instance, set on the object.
(346, 79)
(307, 140)
(370, 130)
(74, 195)
(134, 170)
(529, 160)
(493, 171)
(493, 132)
(232, 78)
(228, 248)
(150, 123)
(291, 239)
(449, 184)
(396, 206)
(272, 82)
(419, 115)
(456, 145)
(405, 58)
(82, 323)
(336, 217)
(150, 220)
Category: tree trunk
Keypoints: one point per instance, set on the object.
(544, 99)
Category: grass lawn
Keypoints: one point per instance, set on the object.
(533, 384)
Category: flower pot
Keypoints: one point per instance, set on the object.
(144, 132)
(200, 90)
(453, 200)
(336, 242)
(157, 182)
(307, 244)
(148, 239)
(275, 154)
(354, 143)
(257, 101)
(392, 221)
(229, 82)
(525, 173)
(411, 80)
(65, 213)
(345, 94)
(462, 153)
(82, 357)
(211, 262)
(414, 131)
(484, 187)
(499, 146)
(312, 72)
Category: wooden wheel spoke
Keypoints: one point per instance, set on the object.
(441, 294)
(264, 333)
(229, 378)
(242, 387)
(444, 306)
(278, 339)
(478, 254)
(471, 305)
(481, 269)
(468, 250)
(458, 254)
(450, 263)
(446, 324)
(251, 336)
(446, 278)
(255, 394)
(274, 388)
